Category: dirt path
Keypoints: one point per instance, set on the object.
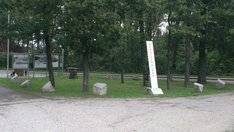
(25, 113)
(8, 95)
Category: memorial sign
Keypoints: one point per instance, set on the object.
(55, 60)
(20, 61)
(152, 68)
(40, 61)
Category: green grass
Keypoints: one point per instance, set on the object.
(130, 89)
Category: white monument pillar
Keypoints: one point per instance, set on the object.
(154, 90)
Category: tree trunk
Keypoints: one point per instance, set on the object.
(49, 58)
(38, 44)
(175, 52)
(149, 30)
(169, 61)
(123, 51)
(169, 53)
(86, 69)
(202, 48)
(122, 64)
(143, 50)
(28, 47)
(202, 63)
(187, 64)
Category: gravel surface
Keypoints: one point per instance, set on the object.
(29, 113)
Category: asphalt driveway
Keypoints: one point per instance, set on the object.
(21, 112)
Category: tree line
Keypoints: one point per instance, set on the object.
(110, 35)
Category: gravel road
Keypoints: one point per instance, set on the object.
(29, 113)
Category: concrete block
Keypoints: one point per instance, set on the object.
(48, 87)
(154, 91)
(198, 87)
(15, 79)
(100, 89)
(109, 76)
(25, 84)
(220, 84)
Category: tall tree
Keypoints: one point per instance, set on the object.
(202, 46)
(42, 17)
(86, 21)
(146, 20)
(207, 7)
(170, 21)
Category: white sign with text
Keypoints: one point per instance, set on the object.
(152, 68)
(20, 61)
(40, 61)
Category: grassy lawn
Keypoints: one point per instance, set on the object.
(131, 88)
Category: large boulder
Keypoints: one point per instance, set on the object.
(198, 87)
(100, 89)
(25, 84)
(48, 87)
(220, 84)
(15, 79)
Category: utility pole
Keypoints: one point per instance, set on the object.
(8, 45)
(62, 60)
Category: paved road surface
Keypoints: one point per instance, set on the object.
(29, 113)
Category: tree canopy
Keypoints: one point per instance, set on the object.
(109, 35)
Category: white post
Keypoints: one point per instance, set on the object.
(62, 59)
(8, 46)
(155, 90)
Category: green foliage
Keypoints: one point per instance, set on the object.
(3, 59)
(214, 65)
(160, 55)
(71, 21)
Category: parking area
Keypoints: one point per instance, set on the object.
(21, 112)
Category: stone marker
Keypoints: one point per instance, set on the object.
(99, 89)
(154, 91)
(25, 84)
(109, 76)
(48, 87)
(198, 87)
(14, 79)
(220, 84)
